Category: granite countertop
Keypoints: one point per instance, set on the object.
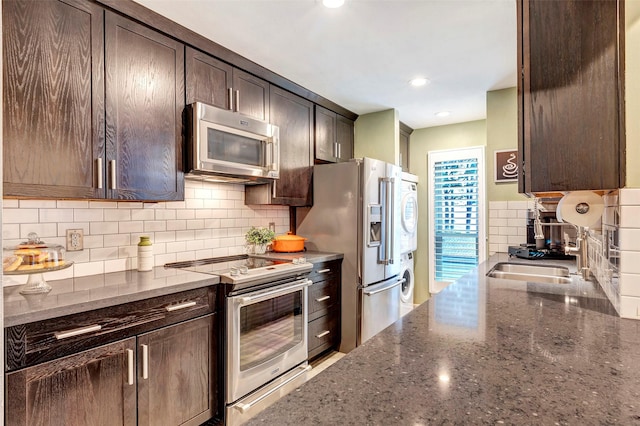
(81, 294)
(484, 351)
(311, 256)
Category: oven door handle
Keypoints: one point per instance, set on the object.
(298, 285)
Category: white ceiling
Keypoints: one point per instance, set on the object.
(362, 56)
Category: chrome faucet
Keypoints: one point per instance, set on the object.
(580, 251)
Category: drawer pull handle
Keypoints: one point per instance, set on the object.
(145, 361)
(77, 331)
(324, 271)
(323, 298)
(179, 306)
(324, 333)
(130, 366)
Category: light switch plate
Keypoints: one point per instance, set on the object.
(75, 239)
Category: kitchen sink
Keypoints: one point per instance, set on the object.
(531, 273)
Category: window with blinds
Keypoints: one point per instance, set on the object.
(457, 209)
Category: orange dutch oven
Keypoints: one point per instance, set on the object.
(289, 243)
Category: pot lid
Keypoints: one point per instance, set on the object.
(290, 237)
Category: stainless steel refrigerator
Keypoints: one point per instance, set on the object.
(356, 211)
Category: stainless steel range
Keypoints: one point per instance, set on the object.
(266, 328)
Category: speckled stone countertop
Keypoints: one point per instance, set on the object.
(70, 296)
(484, 351)
(311, 256)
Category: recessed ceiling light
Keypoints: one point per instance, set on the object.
(419, 81)
(443, 113)
(333, 3)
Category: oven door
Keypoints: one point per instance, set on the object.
(266, 336)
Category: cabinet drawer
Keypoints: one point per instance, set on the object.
(322, 296)
(325, 270)
(32, 343)
(324, 332)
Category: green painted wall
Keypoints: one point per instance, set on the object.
(502, 133)
(422, 141)
(632, 88)
(377, 135)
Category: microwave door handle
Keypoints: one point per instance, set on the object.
(275, 156)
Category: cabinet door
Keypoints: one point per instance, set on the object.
(404, 151)
(208, 79)
(53, 98)
(344, 136)
(144, 104)
(571, 105)
(95, 387)
(325, 135)
(177, 379)
(294, 116)
(250, 95)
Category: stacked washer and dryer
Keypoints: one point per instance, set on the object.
(408, 238)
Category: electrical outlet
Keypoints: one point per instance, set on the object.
(272, 226)
(75, 240)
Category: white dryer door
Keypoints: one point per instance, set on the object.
(410, 213)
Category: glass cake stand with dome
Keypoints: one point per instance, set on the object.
(34, 257)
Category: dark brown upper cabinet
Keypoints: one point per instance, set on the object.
(405, 134)
(53, 101)
(144, 103)
(217, 83)
(333, 136)
(62, 60)
(294, 116)
(570, 95)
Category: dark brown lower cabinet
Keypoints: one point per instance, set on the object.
(175, 372)
(89, 388)
(324, 307)
(149, 362)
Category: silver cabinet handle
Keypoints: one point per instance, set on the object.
(130, 366)
(324, 333)
(179, 306)
(145, 361)
(324, 271)
(99, 168)
(323, 298)
(112, 167)
(237, 100)
(230, 98)
(339, 150)
(273, 194)
(77, 331)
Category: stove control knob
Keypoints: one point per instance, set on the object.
(233, 272)
(244, 270)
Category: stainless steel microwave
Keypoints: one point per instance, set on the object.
(225, 146)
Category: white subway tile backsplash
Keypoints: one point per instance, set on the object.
(20, 215)
(630, 285)
(88, 215)
(630, 216)
(210, 222)
(66, 204)
(507, 224)
(629, 239)
(37, 204)
(498, 205)
(629, 197)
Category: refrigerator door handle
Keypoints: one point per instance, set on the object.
(387, 286)
(387, 184)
